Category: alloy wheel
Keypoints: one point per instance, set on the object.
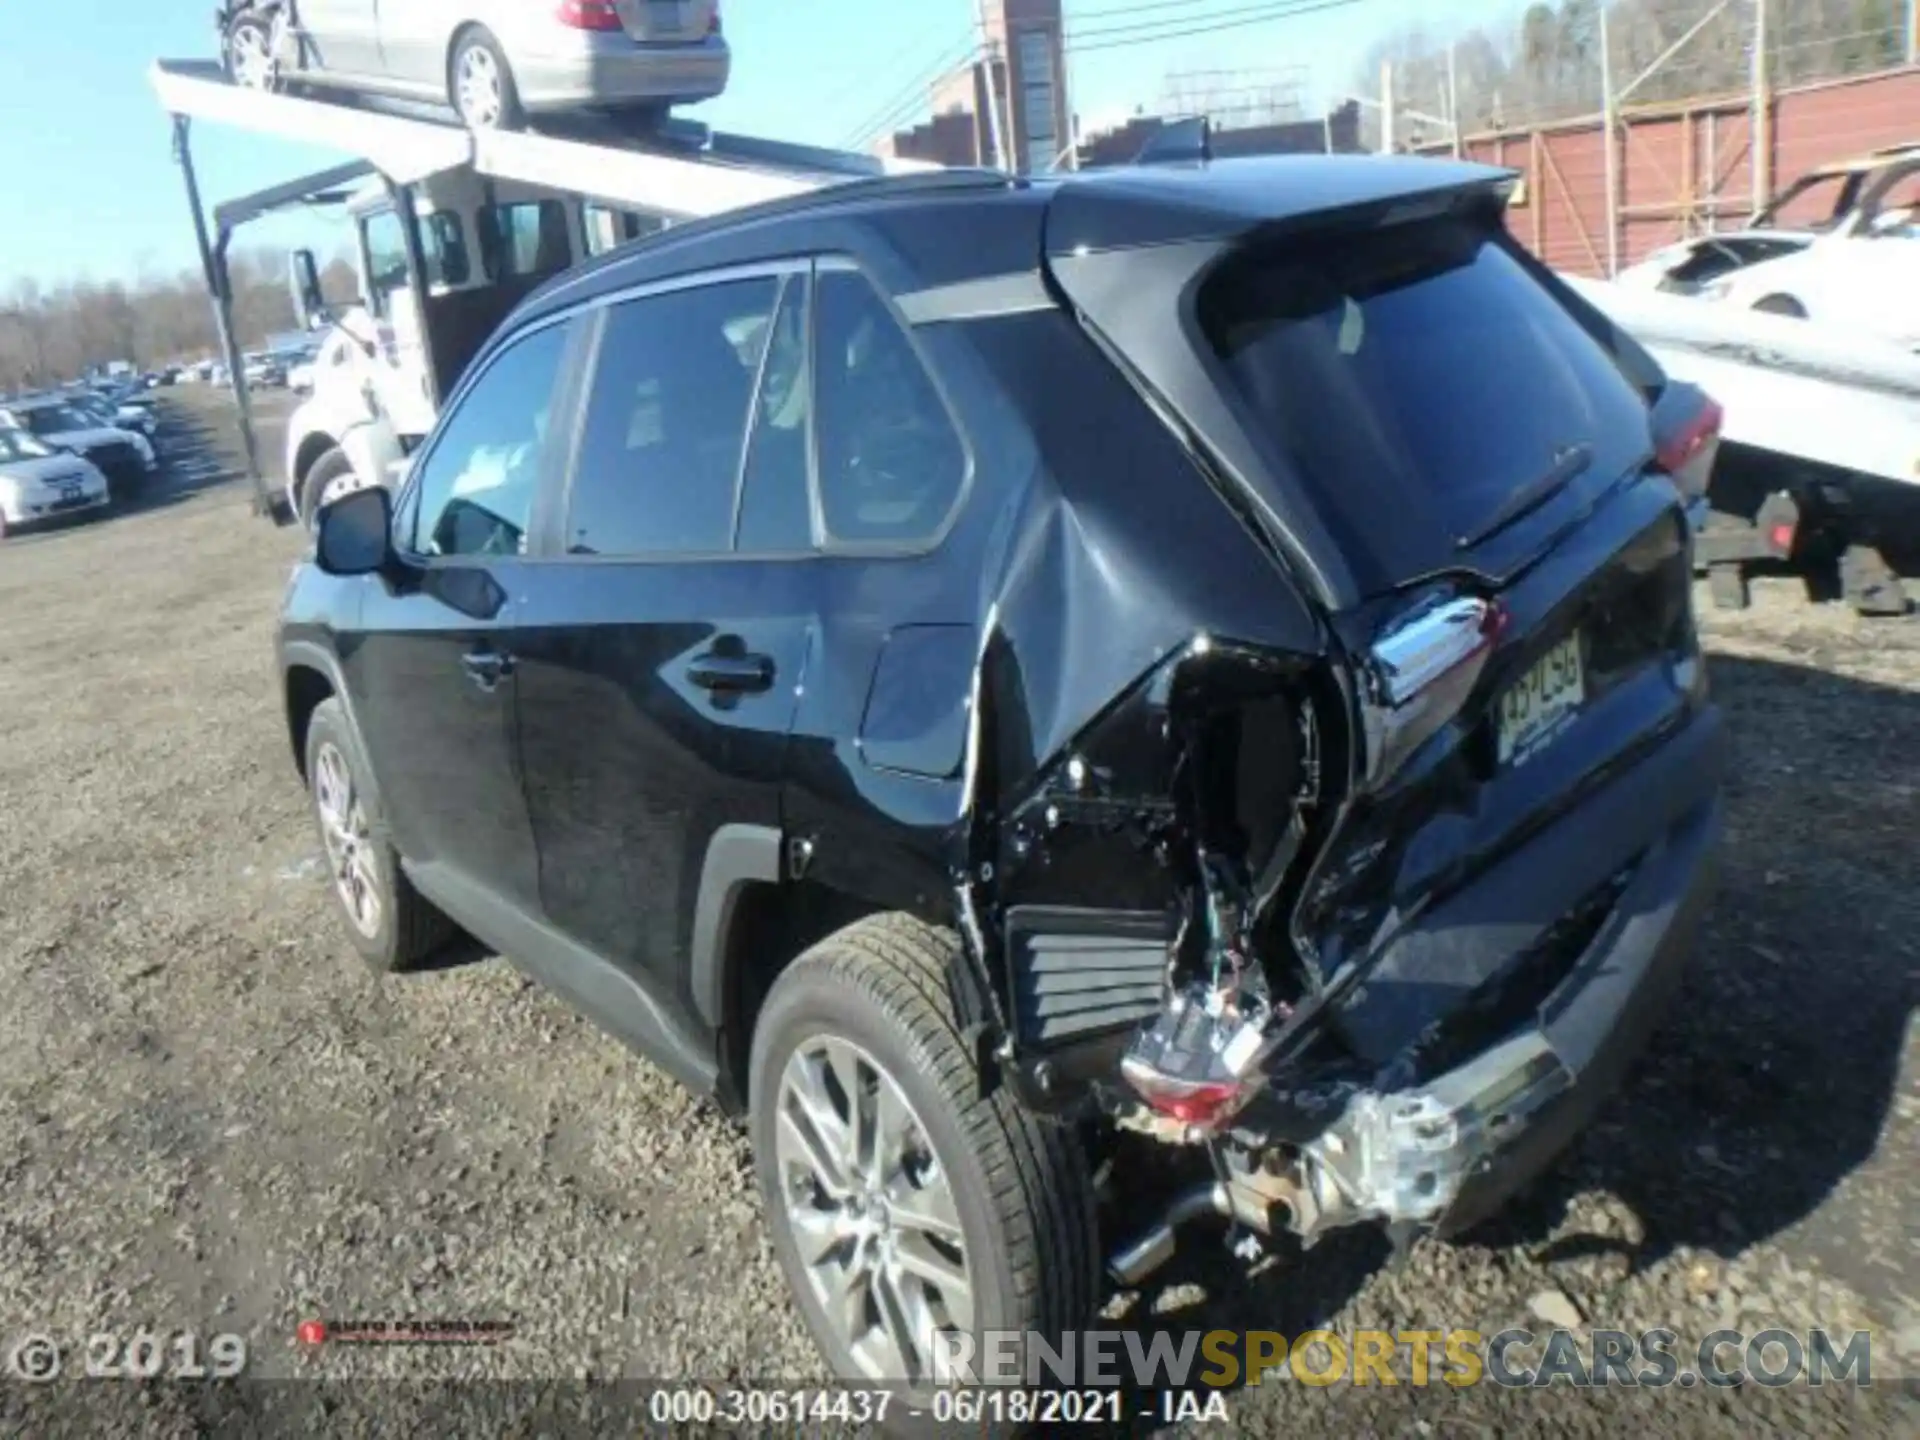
(871, 1210)
(252, 59)
(477, 86)
(343, 828)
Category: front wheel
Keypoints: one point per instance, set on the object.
(330, 477)
(1781, 305)
(908, 1209)
(393, 925)
(250, 60)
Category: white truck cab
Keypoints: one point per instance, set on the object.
(485, 244)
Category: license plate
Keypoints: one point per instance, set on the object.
(70, 495)
(1542, 700)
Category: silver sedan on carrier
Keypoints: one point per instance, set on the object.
(493, 61)
(39, 482)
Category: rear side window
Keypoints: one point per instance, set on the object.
(891, 463)
(1417, 362)
(667, 421)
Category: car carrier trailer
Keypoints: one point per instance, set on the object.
(1819, 465)
(674, 170)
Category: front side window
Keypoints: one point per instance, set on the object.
(891, 463)
(443, 248)
(477, 482)
(667, 420)
(525, 240)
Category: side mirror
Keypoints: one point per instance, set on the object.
(303, 283)
(354, 535)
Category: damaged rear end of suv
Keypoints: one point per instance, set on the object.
(1371, 884)
(967, 672)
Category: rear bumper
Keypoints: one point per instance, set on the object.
(1598, 1023)
(1448, 1151)
(612, 70)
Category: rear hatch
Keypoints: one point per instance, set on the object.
(1436, 441)
(664, 22)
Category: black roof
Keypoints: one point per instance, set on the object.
(964, 223)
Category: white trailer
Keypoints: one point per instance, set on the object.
(1820, 458)
(433, 187)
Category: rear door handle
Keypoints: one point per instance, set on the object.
(486, 668)
(731, 674)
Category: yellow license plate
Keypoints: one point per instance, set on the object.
(1542, 700)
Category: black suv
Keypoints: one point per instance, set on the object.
(955, 667)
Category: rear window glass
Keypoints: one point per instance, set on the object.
(1420, 363)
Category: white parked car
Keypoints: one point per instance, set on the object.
(38, 482)
(125, 455)
(1842, 244)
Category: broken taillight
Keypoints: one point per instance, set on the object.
(1422, 669)
(588, 15)
(1202, 1103)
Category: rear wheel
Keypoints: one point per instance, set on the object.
(331, 477)
(250, 62)
(904, 1203)
(480, 83)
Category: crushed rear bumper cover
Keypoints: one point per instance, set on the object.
(1448, 1152)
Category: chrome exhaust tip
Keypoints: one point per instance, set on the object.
(1134, 1263)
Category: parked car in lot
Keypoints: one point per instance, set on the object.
(953, 668)
(39, 483)
(1841, 244)
(264, 372)
(117, 414)
(124, 456)
(493, 61)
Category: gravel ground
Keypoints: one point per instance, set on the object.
(212, 1119)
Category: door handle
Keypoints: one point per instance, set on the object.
(486, 668)
(731, 674)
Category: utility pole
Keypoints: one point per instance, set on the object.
(1386, 107)
(989, 51)
(1762, 184)
(1453, 95)
(1607, 121)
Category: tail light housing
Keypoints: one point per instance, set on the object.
(1686, 437)
(1420, 671)
(588, 15)
(713, 25)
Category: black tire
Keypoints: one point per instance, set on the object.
(901, 990)
(330, 465)
(410, 929)
(1781, 305)
(258, 31)
(512, 115)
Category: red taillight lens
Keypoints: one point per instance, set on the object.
(1204, 1103)
(1678, 450)
(713, 25)
(588, 15)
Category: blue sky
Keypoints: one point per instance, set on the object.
(93, 191)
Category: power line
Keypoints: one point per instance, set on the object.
(914, 92)
(1117, 37)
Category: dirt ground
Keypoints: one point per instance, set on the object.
(213, 1119)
